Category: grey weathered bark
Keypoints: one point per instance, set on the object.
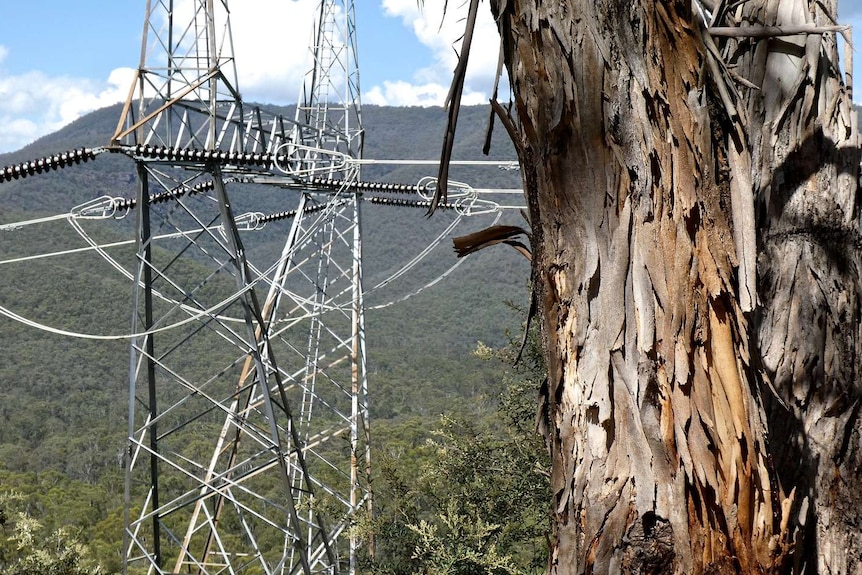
(644, 157)
(805, 158)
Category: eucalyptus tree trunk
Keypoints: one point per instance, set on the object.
(694, 245)
(805, 150)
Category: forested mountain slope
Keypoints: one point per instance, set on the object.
(63, 400)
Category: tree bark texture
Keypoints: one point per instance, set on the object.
(640, 180)
(805, 168)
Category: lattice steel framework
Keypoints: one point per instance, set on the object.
(248, 416)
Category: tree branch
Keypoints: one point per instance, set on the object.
(772, 31)
(454, 103)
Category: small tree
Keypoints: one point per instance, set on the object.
(474, 500)
(27, 548)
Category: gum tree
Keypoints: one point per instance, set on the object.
(692, 174)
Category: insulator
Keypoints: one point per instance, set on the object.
(125, 204)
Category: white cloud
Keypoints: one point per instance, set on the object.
(271, 49)
(401, 93)
(34, 104)
(441, 34)
(274, 60)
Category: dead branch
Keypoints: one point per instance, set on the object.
(773, 31)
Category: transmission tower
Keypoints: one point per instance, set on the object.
(248, 429)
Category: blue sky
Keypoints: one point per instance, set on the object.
(60, 59)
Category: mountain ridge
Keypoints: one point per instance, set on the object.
(419, 351)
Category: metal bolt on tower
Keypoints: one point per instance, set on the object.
(248, 444)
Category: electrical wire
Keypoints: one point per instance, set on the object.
(62, 160)
(433, 282)
(418, 257)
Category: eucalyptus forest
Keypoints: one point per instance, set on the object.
(686, 396)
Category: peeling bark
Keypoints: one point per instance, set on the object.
(805, 173)
(641, 184)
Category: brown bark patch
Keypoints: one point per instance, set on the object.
(648, 548)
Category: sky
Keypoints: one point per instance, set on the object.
(60, 60)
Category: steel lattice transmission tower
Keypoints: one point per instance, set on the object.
(248, 416)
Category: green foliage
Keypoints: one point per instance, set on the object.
(28, 547)
(473, 496)
(57, 509)
(459, 544)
